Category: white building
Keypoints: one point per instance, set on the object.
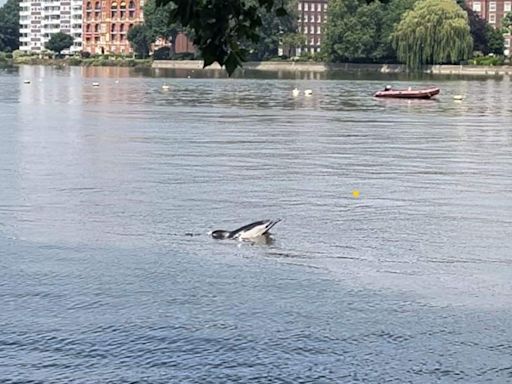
(39, 19)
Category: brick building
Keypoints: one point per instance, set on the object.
(493, 11)
(106, 24)
(312, 17)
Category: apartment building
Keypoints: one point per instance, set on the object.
(493, 11)
(106, 24)
(39, 19)
(312, 17)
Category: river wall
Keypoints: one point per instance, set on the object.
(323, 67)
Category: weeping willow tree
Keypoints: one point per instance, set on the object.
(433, 32)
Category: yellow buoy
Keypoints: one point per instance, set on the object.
(356, 193)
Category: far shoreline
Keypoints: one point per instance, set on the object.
(268, 66)
(298, 66)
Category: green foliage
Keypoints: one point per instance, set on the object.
(9, 26)
(353, 30)
(290, 41)
(393, 12)
(140, 39)
(221, 29)
(360, 31)
(273, 29)
(166, 53)
(163, 53)
(433, 32)
(75, 61)
(486, 39)
(158, 21)
(58, 42)
(487, 60)
(496, 42)
(506, 22)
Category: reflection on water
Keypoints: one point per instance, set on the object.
(108, 194)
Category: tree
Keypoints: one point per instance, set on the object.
(433, 32)
(353, 30)
(486, 39)
(506, 22)
(157, 20)
(272, 30)
(496, 42)
(360, 30)
(393, 12)
(290, 41)
(58, 42)
(140, 39)
(9, 26)
(221, 28)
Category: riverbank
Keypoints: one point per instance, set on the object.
(264, 66)
(77, 61)
(324, 67)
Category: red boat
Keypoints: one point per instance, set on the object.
(408, 93)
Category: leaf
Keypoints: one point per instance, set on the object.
(281, 12)
(232, 63)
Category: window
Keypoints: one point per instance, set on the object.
(507, 43)
(477, 7)
(492, 6)
(318, 29)
(300, 6)
(318, 6)
(312, 41)
(113, 9)
(325, 7)
(492, 18)
(507, 6)
(318, 18)
(311, 29)
(306, 7)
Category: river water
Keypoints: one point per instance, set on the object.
(107, 274)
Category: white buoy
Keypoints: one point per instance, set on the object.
(117, 81)
(458, 97)
(95, 84)
(166, 87)
(27, 81)
(295, 92)
(308, 92)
